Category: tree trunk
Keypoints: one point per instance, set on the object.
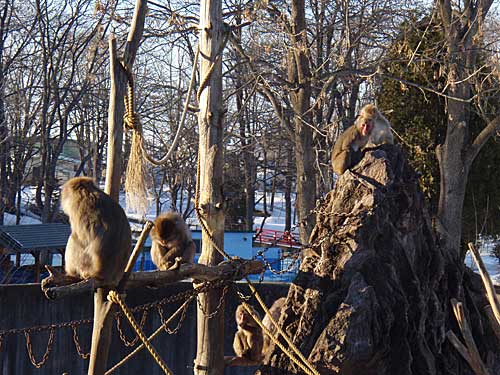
(210, 338)
(115, 124)
(462, 28)
(300, 76)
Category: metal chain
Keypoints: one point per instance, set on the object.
(270, 267)
(122, 334)
(219, 305)
(47, 327)
(47, 351)
(179, 323)
(81, 353)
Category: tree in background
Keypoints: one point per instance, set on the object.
(464, 29)
(417, 59)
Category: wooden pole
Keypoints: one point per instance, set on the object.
(115, 124)
(488, 284)
(210, 338)
(104, 309)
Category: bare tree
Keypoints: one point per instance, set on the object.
(463, 27)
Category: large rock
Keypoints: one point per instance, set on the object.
(372, 293)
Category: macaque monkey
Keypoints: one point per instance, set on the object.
(100, 242)
(275, 312)
(248, 340)
(172, 242)
(370, 128)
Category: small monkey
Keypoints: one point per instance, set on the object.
(248, 340)
(100, 242)
(275, 312)
(370, 127)
(172, 242)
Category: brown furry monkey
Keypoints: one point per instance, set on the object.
(100, 242)
(248, 340)
(370, 127)
(172, 242)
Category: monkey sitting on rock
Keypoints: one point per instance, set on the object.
(172, 242)
(371, 128)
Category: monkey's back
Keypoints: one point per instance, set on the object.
(100, 242)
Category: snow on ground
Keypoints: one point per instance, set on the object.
(10, 219)
(277, 219)
(490, 261)
(274, 222)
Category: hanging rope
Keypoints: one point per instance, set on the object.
(189, 296)
(136, 192)
(206, 79)
(122, 334)
(306, 367)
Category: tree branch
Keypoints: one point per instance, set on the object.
(482, 138)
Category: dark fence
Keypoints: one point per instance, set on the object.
(25, 306)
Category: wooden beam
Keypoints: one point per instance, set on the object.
(199, 272)
(493, 321)
(476, 362)
(488, 284)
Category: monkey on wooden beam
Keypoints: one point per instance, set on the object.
(100, 242)
(172, 242)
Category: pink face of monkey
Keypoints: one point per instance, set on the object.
(366, 128)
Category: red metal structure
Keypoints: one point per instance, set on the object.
(271, 237)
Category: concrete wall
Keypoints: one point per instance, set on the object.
(25, 306)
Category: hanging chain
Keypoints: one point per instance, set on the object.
(81, 353)
(29, 348)
(219, 305)
(179, 323)
(122, 334)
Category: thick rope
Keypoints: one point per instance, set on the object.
(204, 227)
(304, 366)
(151, 337)
(114, 297)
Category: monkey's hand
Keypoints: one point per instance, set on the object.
(177, 264)
(55, 278)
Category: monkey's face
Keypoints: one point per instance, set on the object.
(366, 128)
(242, 318)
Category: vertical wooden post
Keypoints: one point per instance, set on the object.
(104, 309)
(210, 351)
(116, 109)
(37, 266)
